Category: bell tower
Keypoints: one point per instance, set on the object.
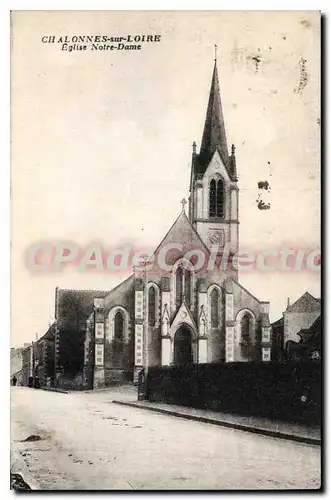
(213, 201)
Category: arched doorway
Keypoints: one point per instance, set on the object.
(183, 354)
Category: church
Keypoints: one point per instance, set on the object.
(183, 314)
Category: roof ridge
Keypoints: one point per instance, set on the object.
(196, 232)
(120, 284)
(305, 294)
(249, 293)
(81, 290)
(182, 213)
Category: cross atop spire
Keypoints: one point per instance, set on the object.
(215, 47)
(183, 202)
(214, 136)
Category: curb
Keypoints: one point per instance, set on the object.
(52, 389)
(222, 423)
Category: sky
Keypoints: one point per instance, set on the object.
(101, 140)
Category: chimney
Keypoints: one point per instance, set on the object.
(288, 303)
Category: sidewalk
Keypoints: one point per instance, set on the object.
(257, 425)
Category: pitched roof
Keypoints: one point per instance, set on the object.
(316, 326)
(305, 304)
(279, 323)
(182, 231)
(214, 134)
(119, 289)
(75, 306)
(236, 282)
(49, 334)
(312, 333)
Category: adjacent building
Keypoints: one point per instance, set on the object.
(44, 357)
(309, 345)
(38, 360)
(72, 309)
(27, 364)
(301, 314)
(15, 360)
(297, 335)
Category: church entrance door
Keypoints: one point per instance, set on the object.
(183, 347)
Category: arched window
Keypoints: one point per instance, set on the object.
(220, 199)
(188, 280)
(152, 306)
(214, 308)
(179, 285)
(245, 328)
(212, 198)
(119, 327)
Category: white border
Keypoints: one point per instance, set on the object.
(5, 7)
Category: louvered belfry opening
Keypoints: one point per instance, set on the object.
(216, 198)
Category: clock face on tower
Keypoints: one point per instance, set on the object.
(215, 237)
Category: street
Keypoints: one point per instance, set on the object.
(88, 442)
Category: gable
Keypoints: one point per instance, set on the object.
(183, 315)
(305, 304)
(122, 294)
(243, 299)
(181, 238)
(216, 166)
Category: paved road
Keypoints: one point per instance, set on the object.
(90, 443)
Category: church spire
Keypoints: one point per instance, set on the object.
(214, 136)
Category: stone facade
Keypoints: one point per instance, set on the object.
(72, 310)
(181, 312)
(27, 364)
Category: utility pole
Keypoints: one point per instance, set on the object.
(34, 355)
(143, 390)
(145, 315)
